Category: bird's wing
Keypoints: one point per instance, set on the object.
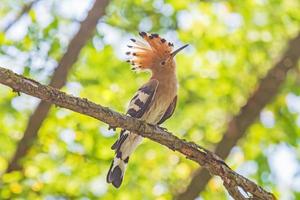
(142, 99)
(169, 111)
(138, 106)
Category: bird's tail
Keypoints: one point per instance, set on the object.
(116, 172)
(123, 147)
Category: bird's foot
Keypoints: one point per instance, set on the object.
(163, 128)
(112, 128)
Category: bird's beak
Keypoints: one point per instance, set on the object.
(177, 50)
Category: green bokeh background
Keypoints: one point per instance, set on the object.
(232, 45)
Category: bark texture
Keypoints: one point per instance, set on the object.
(232, 181)
(267, 89)
(58, 80)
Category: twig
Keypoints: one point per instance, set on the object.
(26, 8)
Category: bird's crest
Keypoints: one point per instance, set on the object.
(145, 53)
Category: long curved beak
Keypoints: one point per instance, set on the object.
(177, 50)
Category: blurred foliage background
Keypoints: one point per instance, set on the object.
(232, 45)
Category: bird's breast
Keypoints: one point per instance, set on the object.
(162, 100)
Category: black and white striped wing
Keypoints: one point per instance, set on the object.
(142, 99)
(138, 106)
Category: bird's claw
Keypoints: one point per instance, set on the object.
(112, 128)
(163, 128)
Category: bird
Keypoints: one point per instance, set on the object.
(154, 102)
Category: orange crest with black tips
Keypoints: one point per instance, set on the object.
(146, 53)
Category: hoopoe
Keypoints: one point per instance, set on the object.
(154, 102)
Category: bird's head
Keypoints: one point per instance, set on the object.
(153, 53)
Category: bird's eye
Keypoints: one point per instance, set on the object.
(163, 63)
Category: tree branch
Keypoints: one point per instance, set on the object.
(26, 8)
(268, 87)
(58, 80)
(231, 180)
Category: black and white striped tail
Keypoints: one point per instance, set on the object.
(118, 166)
(116, 171)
